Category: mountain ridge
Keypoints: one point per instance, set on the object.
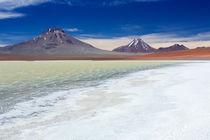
(139, 46)
(175, 47)
(55, 44)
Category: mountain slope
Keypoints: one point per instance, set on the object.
(54, 44)
(136, 46)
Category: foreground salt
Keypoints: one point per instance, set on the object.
(170, 103)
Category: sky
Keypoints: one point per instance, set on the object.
(108, 24)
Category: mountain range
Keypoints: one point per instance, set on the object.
(55, 44)
(139, 46)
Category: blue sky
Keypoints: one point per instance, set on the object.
(109, 23)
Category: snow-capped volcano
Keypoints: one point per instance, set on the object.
(136, 46)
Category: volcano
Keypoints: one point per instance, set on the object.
(136, 46)
(54, 43)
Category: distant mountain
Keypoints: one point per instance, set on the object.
(53, 44)
(175, 47)
(201, 47)
(136, 46)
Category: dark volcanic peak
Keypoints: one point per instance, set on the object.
(53, 42)
(51, 39)
(55, 29)
(55, 35)
(175, 47)
(136, 46)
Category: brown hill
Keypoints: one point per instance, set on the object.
(198, 53)
(175, 47)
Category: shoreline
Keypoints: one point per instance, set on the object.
(144, 112)
(141, 58)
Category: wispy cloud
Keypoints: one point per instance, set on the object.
(13, 4)
(131, 28)
(3, 45)
(91, 36)
(7, 7)
(13, 38)
(4, 15)
(120, 2)
(100, 3)
(72, 30)
(167, 37)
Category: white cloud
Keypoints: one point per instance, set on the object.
(100, 3)
(156, 40)
(7, 7)
(119, 2)
(12, 4)
(89, 36)
(2, 45)
(4, 15)
(72, 30)
(165, 38)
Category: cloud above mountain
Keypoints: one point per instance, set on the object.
(72, 29)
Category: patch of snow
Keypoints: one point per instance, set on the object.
(131, 44)
(136, 42)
